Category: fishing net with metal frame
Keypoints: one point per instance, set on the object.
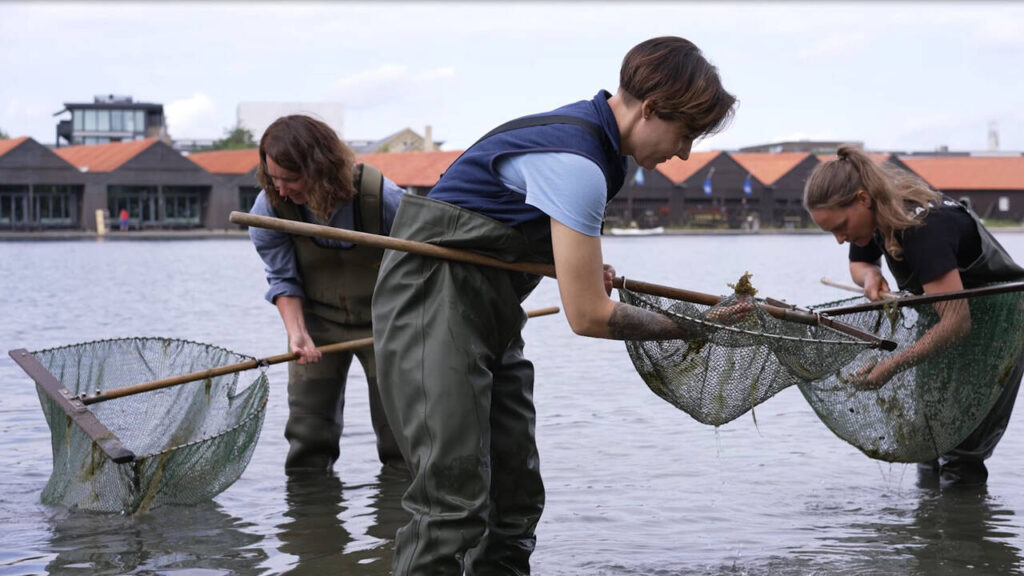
(175, 445)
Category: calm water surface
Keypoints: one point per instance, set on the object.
(634, 486)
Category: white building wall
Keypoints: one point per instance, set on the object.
(256, 116)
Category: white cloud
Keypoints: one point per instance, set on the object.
(194, 117)
(386, 85)
(19, 118)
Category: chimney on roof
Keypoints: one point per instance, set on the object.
(993, 136)
(428, 138)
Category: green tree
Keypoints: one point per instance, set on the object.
(236, 138)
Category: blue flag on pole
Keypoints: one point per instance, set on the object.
(747, 188)
(638, 177)
(707, 185)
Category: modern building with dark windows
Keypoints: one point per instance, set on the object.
(110, 118)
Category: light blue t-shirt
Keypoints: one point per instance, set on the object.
(567, 187)
(278, 252)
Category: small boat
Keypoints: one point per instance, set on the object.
(638, 231)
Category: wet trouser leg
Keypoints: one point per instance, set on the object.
(387, 447)
(517, 492)
(316, 400)
(444, 332)
(436, 368)
(980, 444)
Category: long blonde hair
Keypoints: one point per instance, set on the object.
(896, 194)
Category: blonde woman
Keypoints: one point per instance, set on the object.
(931, 244)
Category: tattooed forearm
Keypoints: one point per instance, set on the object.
(632, 323)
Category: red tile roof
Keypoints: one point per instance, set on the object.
(678, 171)
(9, 144)
(103, 157)
(403, 168)
(227, 161)
(422, 169)
(969, 172)
(767, 167)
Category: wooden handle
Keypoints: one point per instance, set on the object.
(425, 249)
(248, 365)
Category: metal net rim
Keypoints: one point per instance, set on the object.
(256, 412)
(130, 338)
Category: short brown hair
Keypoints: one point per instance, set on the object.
(310, 148)
(681, 84)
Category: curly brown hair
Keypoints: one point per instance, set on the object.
(681, 84)
(311, 149)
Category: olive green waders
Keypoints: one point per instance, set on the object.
(338, 283)
(316, 401)
(459, 393)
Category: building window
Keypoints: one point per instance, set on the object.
(13, 206)
(90, 120)
(183, 205)
(55, 205)
(247, 197)
(78, 118)
(103, 120)
(1004, 203)
(117, 120)
(140, 201)
(140, 121)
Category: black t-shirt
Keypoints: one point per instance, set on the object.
(947, 240)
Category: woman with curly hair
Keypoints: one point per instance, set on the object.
(322, 288)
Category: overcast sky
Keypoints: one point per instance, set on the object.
(897, 76)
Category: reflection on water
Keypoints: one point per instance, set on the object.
(168, 539)
(325, 539)
(960, 531)
(634, 486)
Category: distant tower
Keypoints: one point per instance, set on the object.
(993, 136)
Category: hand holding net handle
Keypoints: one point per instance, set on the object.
(248, 365)
(425, 249)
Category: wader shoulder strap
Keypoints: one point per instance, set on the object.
(531, 121)
(369, 203)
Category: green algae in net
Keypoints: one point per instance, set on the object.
(735, 364)
(931, 403)
(176, 445)
(923, 409)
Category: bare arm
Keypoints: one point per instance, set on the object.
(587, 305)
(299, 340)
(954, 322)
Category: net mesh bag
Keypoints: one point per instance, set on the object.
(732, 367)
(190, 441)
(932, 403)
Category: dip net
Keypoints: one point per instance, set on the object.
(731, 368)
(923, 410)
(933, 403)
(177, 445)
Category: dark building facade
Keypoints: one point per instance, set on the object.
(38, 189)
(75, 187)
